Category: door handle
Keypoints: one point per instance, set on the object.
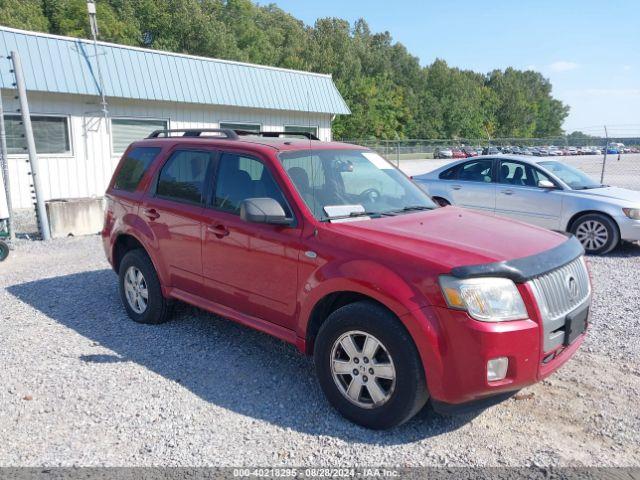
(151, 213)
(507, 192)
(219, 230)
(456, 187)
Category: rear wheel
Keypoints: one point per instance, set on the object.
(369, 367)
(140, 289)
(597, 233)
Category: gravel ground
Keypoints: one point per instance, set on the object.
(81, 384)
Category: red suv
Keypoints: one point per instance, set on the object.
(329, 247)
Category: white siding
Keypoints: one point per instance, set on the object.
(86, 171)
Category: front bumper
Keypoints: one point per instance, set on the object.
(629, 229)
(456, 370)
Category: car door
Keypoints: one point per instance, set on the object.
(173, 211)
(249, 267)
(518, 195)
(473, 185)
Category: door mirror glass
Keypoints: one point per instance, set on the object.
(546, 184)
(263, 210)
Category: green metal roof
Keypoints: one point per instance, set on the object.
(68, 65)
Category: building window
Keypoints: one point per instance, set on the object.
(125, 131)
(51, 134)
(313, 130)
(248, 127)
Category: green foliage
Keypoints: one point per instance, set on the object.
(390, 94)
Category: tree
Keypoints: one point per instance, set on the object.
(389, 93)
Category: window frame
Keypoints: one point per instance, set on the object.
(208, 177)
(524, 165)
(151, 119)
(210, 203)
(70, 137)
(238, 122)
(494, 164)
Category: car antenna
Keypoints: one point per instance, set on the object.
(313, 171)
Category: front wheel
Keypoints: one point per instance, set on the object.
(597, 233)
(369, 367)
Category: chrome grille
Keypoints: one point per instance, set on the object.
(554, 293)
(558, 293)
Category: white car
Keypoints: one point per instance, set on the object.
(544, 192)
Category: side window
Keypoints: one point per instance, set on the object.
(133, 168)
(240, 177)
(449, 174)
(477, 171)
(520, 174)
(182, 178)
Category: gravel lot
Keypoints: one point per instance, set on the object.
(81, 384)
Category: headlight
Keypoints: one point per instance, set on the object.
(485, 299)
(633, 213)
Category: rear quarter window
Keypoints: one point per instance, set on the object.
(449, 173)
(134, 166)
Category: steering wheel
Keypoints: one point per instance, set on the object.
(370, 194)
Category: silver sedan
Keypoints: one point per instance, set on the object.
(544, 192)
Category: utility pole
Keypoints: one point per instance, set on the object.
(41, 211)
(93, 21)
(5, 170)
(606, 147)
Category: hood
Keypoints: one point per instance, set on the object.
(612, 193)
(453, 237)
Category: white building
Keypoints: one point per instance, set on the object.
(145, 90)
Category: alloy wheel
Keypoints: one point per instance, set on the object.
(363, 369)
(592, 234)
(136, 291)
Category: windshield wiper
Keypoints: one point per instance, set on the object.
(412, 208)
(359, 214)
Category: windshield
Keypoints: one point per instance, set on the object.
(349, 183)
(573, 177)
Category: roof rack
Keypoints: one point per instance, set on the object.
(308, 135)
(229, 133)
(195, 132)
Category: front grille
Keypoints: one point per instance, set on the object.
(559, 293)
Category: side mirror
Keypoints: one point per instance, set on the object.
(263, 210)
(546, 184)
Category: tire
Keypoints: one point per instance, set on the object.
(598, 233)
(396, 356)
(4, 251)
(157, 309)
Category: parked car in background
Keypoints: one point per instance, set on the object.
(329, 247)
(572, 151)
(490, 151)
(554, 151)
(546, 193)
(541, 152)
(470, 152)
(443, 153)
(458, 153)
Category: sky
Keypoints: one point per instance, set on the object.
(590, 50)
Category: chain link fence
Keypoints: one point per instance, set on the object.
(612, 161)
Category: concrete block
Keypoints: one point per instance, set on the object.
(75, 216)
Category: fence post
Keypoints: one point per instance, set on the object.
(606, 147)
(31, 147)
